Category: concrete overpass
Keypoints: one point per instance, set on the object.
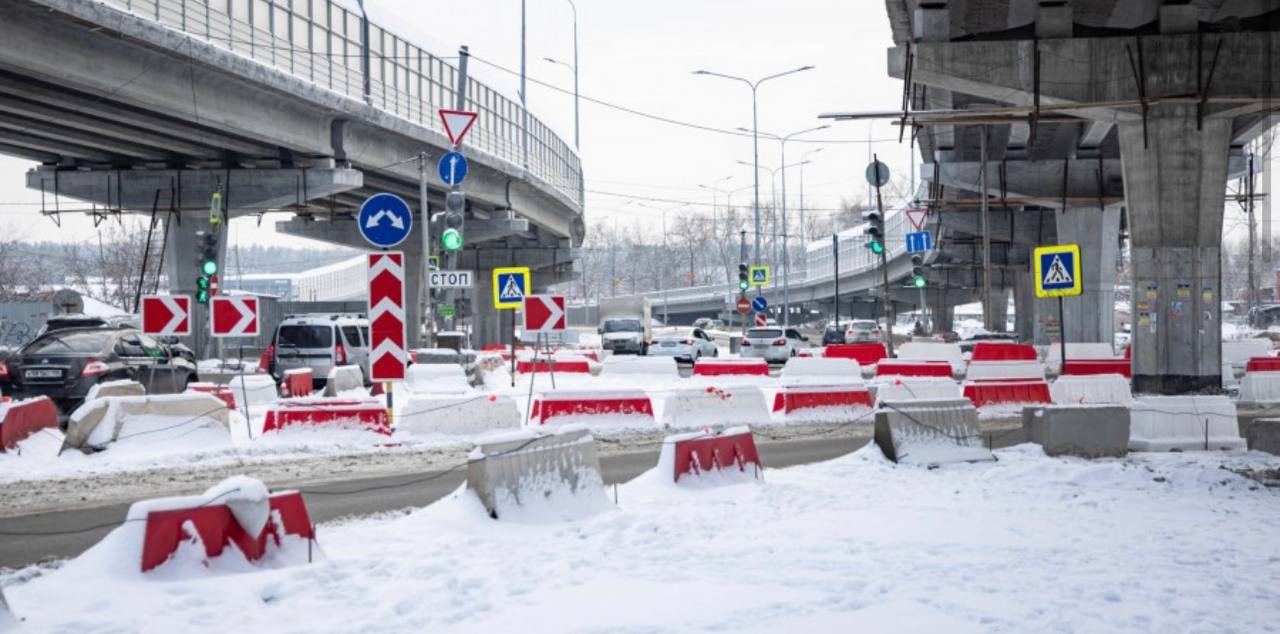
(151, 106)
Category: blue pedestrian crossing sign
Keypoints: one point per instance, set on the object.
(452, 168)
(760, 304)
(918, 241)
(1057, 270)
(510, 286)
(759, 276)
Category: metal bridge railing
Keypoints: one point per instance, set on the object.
(321, 41)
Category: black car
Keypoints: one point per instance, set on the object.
(63, 365)
(833, 334)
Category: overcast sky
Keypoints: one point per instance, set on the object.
(641, 55)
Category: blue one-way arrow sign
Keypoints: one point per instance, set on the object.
(918, 241)
(452, 168)
(385, 220)
(759, 304)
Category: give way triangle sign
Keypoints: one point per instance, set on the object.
(916, 216)
(457, 123)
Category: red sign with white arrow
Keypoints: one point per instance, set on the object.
(233, 316)
(457, 123)
(387, 354)
(166, 315)
(544, 314)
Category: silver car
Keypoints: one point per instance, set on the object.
(319, 342)
(685, 344)
(772, 344)
(862, 330)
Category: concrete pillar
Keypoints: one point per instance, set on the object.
(999, 309)
(488, 325)
(944, 316)
(182, 268)
(1090, 318)
(1036, 319)
(1174, 183)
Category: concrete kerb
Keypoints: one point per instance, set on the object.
(1086, 431)
(529, 467)
(930, 432)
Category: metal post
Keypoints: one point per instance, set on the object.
(460, 97)
(786, 261)
(835, 255)
(884, 270)
(988, 311)
(755, 148)
(524, 96)
(1062, 338)
(364, 53)
(742, 254)
(577, 136)
(424, 303)
(664, 274)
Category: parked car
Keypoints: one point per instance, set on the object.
(319, 342)
(64, 364)
(772, 344)
(79, 320)
(709, 323)
(685, 344)
(834, 333)
(863, 330)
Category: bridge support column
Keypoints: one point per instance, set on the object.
(1175, 172)
(1090, 318)
(1036, 319)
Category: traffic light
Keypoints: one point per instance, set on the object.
(202, 289)
(917, 272)
(743, 282)
(208, 242)
(455, 203)
(874, 231)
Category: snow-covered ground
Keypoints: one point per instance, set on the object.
(1151, 543)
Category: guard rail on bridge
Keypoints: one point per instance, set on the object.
(320, 41)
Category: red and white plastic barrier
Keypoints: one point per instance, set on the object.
(219, 526)
(1262, 364)
(1005, 370)
(917, 388)
(1088, 367)
(869, 353)
(20, 420)
(223, 392)
(731, 367)
(695, 407)
(299, 382)
(588, 406)
(1091, 389)
(899, 367)
(999, 391)
(792, 399)
(371, 414)
(995, 351)
(697, 455)
(566, 365)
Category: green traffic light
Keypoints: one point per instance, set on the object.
(876, 247)
(202, 282)
(202, 296)
(451, 239)
(918, 281)
(209, 267)
(742, 284)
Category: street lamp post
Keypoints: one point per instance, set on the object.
(577, 130)
(755, 127)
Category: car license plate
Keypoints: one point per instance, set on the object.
(43, 374)
(668, 344)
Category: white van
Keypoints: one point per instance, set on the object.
(319, 342)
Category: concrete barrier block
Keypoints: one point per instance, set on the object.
(122, 387)
(1005, 370)
(916, 389)
(344, 378)
(537, 475)
(97, 424)
(1095, 389)
(258, 390)
(471, 413)
(930, 432)
(223, 392)
(1260, 387)
(1184, 423)
(1264, 435)
(1088, 431)
(694, 407)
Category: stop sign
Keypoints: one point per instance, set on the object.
(744, 306)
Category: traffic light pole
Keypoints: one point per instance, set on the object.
(884, 272)
(425, 307)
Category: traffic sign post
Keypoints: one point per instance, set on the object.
(877, 176)
(760, 275)
(1057, 274)
(166, 315)
(452, 168)
(387, 354)
(233, 316)
(385, 220)
(918, 241)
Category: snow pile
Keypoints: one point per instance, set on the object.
(933, 351)
(422, 378)
(695, 407)
(821, 371)
(925, 388)
(466, 413)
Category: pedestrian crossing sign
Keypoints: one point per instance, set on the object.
(510, 285)
(759, 276)
(1057, 270)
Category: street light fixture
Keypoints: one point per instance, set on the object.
(577, 138)
(755, 127)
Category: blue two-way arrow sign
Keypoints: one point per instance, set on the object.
(385, 220)
(452, 168)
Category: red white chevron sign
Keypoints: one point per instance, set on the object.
(233, 316)
(387, 355)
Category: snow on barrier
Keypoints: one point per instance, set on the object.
(453, 413)
(258, 390)
(996, 351)
(915, 389)
(822, 403)
(933, 351)
(223, 392)
(426, 378)
(19, 420)
(899, 367)
(1184, 423)
(627, 365)
(1262, 364)
(691, 407)
(238, 518)
(1086, 367)
(1005, 370)
(120, 387)
(1091, 389)
(198, 419)
(299, 382)
(825, 369)
(368, 414)
(538, 476)
(1077, 350)
(343, 378)
(998, 391)
(566, 365)
(1260, 387)
(707, 458)
(1236, 354)
(731, 367)
(869, 353)
(930, 432)
(1091, 431)
(591, 406)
